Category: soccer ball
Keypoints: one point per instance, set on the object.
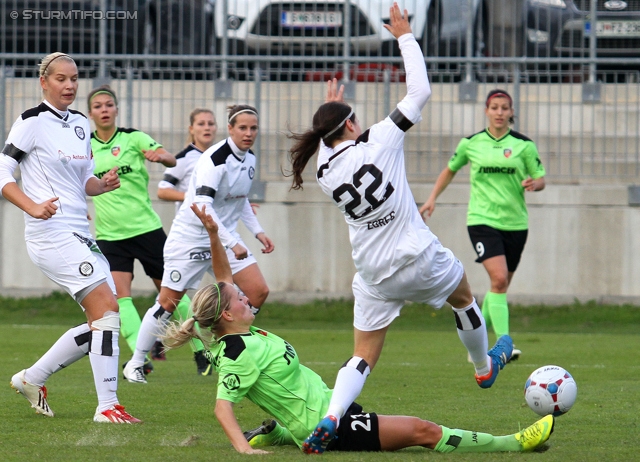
(550, 390)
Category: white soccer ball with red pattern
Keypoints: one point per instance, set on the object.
(550, 390)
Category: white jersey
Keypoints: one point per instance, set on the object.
(53, 150)
(178, 177)
(368, 182)
(221, 180)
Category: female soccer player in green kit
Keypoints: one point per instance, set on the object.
(127, 227)
(504, 164)
(265, 368)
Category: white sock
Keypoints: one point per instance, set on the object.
(349, 383)
(154, 323)
(472, 331)
(70, 347)
(103, 354)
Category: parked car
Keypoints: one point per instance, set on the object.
(559, 28)
(324, 30)
(70, 26)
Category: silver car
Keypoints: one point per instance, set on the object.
(329, 28)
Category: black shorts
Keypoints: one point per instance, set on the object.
(357, 432)
(490, 242)
(147, 248)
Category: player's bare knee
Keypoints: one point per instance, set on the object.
(428, 433)
(260, 296)
(499, 284)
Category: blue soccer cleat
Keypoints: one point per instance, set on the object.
(500, 355)
(320, 438)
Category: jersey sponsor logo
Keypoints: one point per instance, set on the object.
(115, 151)
(382, 221)
(229, 197)
(65, 125)
(252, 172)
(79, 132)
(288, 353)
(62, 157)
(507, 170)
(231, 382)
(175, 276)
(122, 170)
(86, 268)
(507, 152)
(204, 255)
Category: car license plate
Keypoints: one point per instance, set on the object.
(311, 19)
(618, 29)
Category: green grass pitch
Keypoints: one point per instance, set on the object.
(423, 371)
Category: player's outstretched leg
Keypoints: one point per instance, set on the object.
(35, 394)
(319, 439)
(500, 355)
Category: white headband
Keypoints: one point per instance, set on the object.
(339, 125)
(251, 111)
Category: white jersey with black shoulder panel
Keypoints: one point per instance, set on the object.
(53, 149)
(367, 180)
(221, 180)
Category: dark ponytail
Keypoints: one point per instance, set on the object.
(329, 118)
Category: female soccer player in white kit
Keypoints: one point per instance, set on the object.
(396, 256)
(221, 180)
(51, 143)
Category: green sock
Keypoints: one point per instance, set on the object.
(129, 322)
(499, 310)
(485, 310)
(279, 436)
(466, 441)
(183, 311)
(282, 436)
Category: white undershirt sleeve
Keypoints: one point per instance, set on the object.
(250, 220)
(418, 87)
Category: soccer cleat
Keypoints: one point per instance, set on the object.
(500, 355)
(133, 374)
(261, 437)
(515, 354)
(36, 395)
(319, 439)
(115, 414)
(157, 352)
(147, 367)
(535, 435)
(202, 363)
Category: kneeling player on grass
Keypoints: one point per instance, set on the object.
(265, 368)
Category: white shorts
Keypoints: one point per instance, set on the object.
(186, 265)
(430, 279)
(71, 260)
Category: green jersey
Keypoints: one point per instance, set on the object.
(498, 167)
(265, 368)
(125, 212)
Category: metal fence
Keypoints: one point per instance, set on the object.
(573, 70)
